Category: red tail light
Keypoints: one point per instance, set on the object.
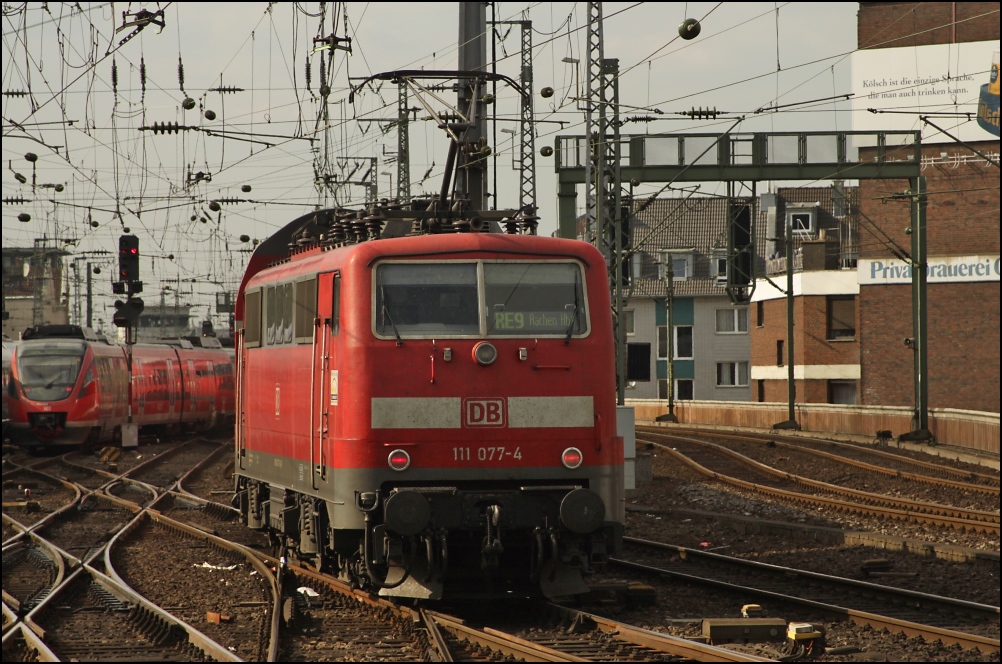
(399, 460)
(571, 458)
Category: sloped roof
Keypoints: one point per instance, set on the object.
(698, 224)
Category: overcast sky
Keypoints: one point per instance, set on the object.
(747, 56)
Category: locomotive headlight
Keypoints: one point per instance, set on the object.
(399, 460)
(485, 353)
(571, 458)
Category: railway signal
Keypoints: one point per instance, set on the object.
(128, 258)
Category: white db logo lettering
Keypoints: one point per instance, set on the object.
(484, 412)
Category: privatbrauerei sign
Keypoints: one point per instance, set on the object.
(914, 80)
(952, 269)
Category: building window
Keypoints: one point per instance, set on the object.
(681, 265)
(841, 317)
(732, 321)
(683, 389)
(801, 221)
(628, 321)
(779, 353)
(760, 313)
(732, 374)
(719, 264)
(682, 342)
(638, 362)
(761, 391)
(842, 392)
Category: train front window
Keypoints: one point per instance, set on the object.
(534, 299)
(49, 370)
(426, 300)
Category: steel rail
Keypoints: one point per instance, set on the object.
(26, 544)
(500, 642)
(876, 621)
(662, 642)
(912, 596)
(443, 654)
(924, 507)
(839, 505)
(252, 559)
(888, 455)
(201, 465)
(14, 631)
(122, 592)
(73, 514)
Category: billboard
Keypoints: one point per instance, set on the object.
(943, 270)
(945, 81)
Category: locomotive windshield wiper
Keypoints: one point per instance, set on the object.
(386, 312)
(574, 310)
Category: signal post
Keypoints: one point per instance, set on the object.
(127, 316)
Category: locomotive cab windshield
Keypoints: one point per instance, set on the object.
(49, 370)
(479, 299)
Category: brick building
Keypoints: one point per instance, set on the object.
(826, 358)
(962, 231)
(853, 312)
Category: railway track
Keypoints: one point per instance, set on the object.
(953, 621)
(30, 496)
(325, 619)
(879, 462)
(164, 470)
(32, 568)
(93, 618)
(207, 582)
(88, 478)
(728, 466)
(876, 460)
(82, 532)
(212, 478)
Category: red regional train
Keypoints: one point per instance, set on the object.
(431, 413)
(68, 387)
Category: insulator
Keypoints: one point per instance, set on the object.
(30, 156)
(308, 73)
(142, 74)
(223, 89)
(245, 238)
(15, 93)
(114, 76)
(15, 200)
(323, 72)
(214, 206)
(180, 73)
(210, 115)
(245, 188)
(188, 103)
(94, 224)
(24, 216)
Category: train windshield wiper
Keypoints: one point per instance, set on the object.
(386, 312)
(573, 308)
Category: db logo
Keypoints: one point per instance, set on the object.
(484, 412)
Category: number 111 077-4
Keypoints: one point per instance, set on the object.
(498, 453)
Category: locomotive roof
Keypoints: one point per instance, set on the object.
(442, 246)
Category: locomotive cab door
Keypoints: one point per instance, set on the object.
(324, 391)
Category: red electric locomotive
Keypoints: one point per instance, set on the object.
(68, 387)
(431, 414)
